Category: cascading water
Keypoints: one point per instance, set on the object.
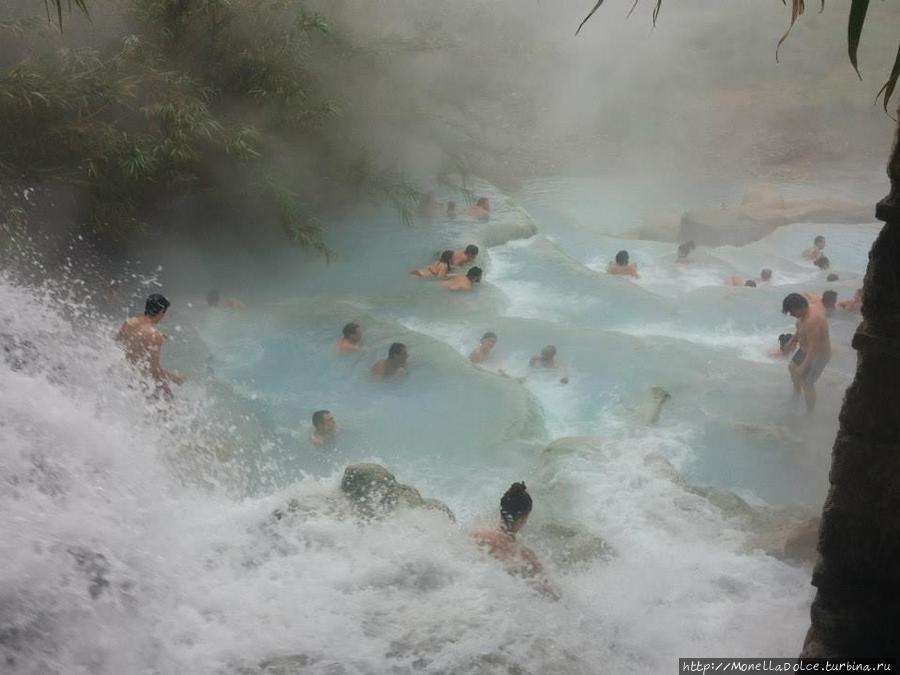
(139, 537)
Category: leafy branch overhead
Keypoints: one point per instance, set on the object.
(855, 22)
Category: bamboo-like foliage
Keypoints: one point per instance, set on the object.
(855, 22)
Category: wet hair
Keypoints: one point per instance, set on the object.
(622, 258)
(822, 262)
(446, 257)
(550, 348)
(784, 338)
(471, 250)
(750, 283)
(793, 301)
(832, 277)
(156, 304)
(685, 249)
(766, 274)
(213, 297)
(474, 274)
(396, 349)
(349, 329)
(487, 335)
(818, 238)
(318, 416)
(829, 299)
(482, 202)
(515, 503)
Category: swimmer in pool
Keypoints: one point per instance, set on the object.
(854, 304)
(143, 341)
(350, 339)
(482, 351)
(817, 249)
(824, 304)
(394, 366)
(814, 346)
(500, 542)
(439, 268)
(621, 266)
(547, 359)
(324, 429)
(765, 275)
(684, 251)
(459, 282)
(465, 257)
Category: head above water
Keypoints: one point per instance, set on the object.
(750, 283)
(352, 332)
(548, 353)
(471, 251)
(446, 257)
(829, 299)
(822, 262)
(474, 275)
(684, 250)
(819, 242)
(766, 274)
(832, 277)
(156, 306)
(622, 258)
(794, 304)
(784, 339)
(323, 420)
(489, 338)
(397, 352)
(213, 297)
(483, 203)
(515, 505)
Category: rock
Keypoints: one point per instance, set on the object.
(653, 408)
(95, 567)
(518, 226)
(568, 546)
(801, 544)
(372, 489)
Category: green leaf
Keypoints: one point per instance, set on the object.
(888, 88)
(854, 28)
(590, 14)
(797, 9)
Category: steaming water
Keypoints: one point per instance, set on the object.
(138, 538)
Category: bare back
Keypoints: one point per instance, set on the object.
(142, 342)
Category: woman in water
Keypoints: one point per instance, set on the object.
(515, 507)
(439, 268)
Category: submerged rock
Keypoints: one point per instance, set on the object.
(372, 489)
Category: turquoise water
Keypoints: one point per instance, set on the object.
(178, 501)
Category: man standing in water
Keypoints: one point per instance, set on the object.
(351, 337)
(394, 365)
(482, 351)
(324, 429)
(814, 345)
(817, 249)
(143, 342)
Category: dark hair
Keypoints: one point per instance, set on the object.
(829, 298)
(550, 347)
(766, 274)
(784, 338)
(622, 258)
(396, 349)
(447, 257)
(685, 248)
(818, 238)
(832, 277)
(750, 283)
(471, 250)
(793, 301)
(487, 335)
(349, 329)
(482, 202)
(515, 503)
(318, 416)
(212, 298)
(156, 304)
(474, 274)
(822, 262)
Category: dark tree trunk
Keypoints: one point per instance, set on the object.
(856, 611)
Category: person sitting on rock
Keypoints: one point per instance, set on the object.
(324, 429)
(394, 366)
(547, 359)
(500, 542)
(465, 257)
(483, 350)
(815, 252)
(350, 339)
(458, 282)
(685, 250)
(621, 265)
(439, 268)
